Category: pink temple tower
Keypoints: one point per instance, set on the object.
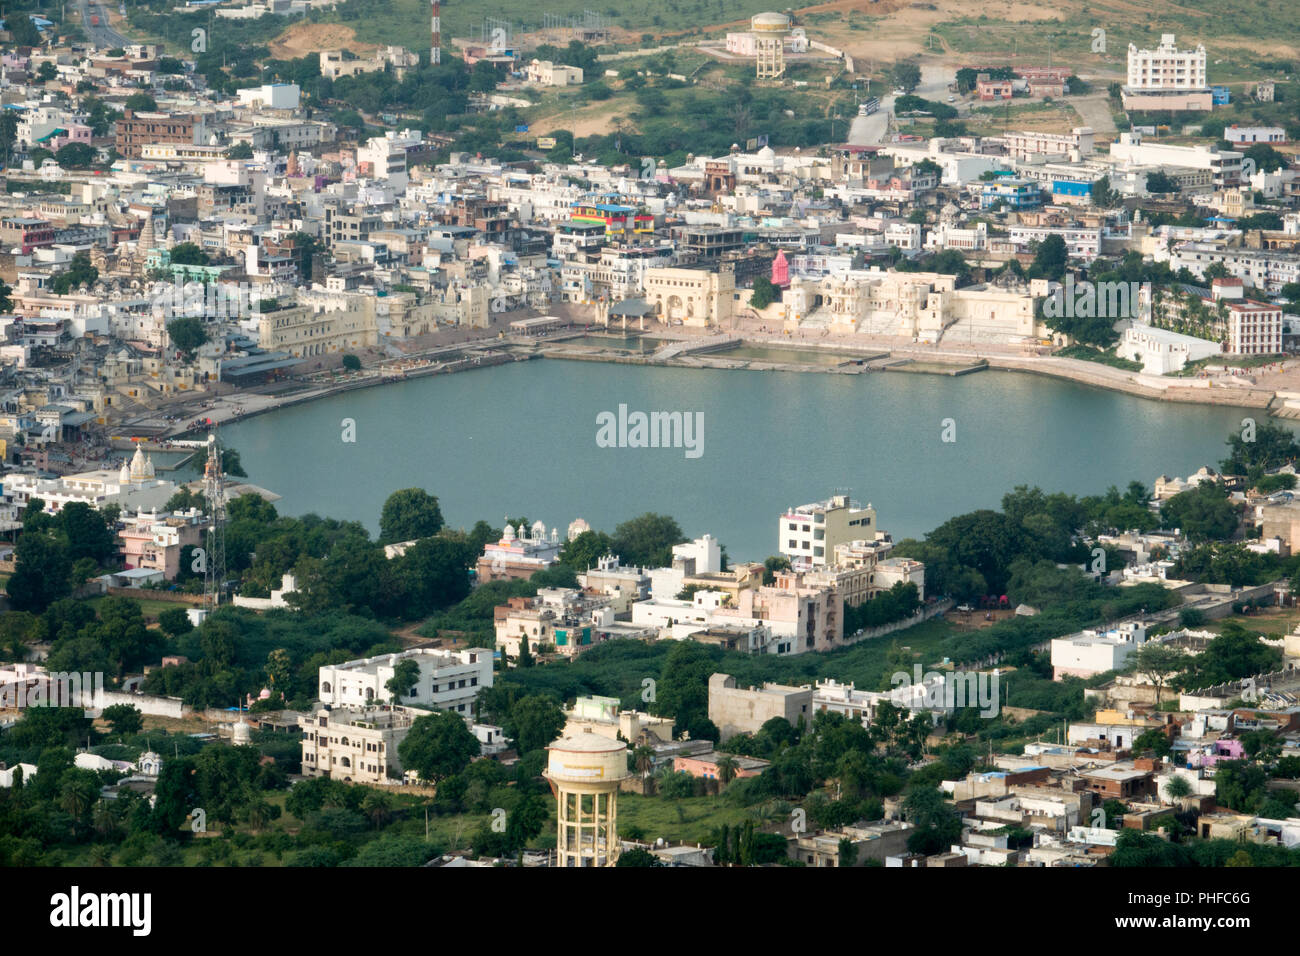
(780, 270)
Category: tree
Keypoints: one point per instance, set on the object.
(438, 746)
(87, 532)
(405, 676)
(41, 572)
(906, 75)
(848, 852)
(409, 514)
(79, 272)
(75, 156)
(1177, 788)
(187, 334)
(1103, 195)
(533, 722)
(525, 822)
(1202, 513)
(141, 103)
(765, 293)
(937, 825)
(1158, 662)
(585, 551)
(351, 363)
(683, 688)
(188, 254)
(433, 574)
(1161, 183)
(727, 768)
(240, 151)
(638, 857)
(124, 719)
(1266, 446)
(647, 541)
(1050, 259)
(773, 564)
(231, 464)
(175, 622)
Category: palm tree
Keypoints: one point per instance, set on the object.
(1177, 788)
(77, 797)
(644, 759)
(378, 806)
(727, 769)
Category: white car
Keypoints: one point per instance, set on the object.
(952, 99)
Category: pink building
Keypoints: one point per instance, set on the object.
(811, 616)
(73, 133)
(706, 765)
(155, 542)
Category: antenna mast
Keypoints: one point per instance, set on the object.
(214, 567)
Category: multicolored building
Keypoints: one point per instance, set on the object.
(616, 218)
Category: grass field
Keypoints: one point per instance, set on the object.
(1274, 622)
(692, 819)
(150, 607)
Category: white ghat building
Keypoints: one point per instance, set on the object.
(1161, 351)
(134, 487)
(448, 680)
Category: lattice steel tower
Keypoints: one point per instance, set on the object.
(214, 566)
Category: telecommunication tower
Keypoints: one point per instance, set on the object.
(435, 55)
(214, 567)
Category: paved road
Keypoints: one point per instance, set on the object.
(1094, 110)
(103, 36)
(871, 130)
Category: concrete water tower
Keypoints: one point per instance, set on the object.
(769, 31)
(584, 772)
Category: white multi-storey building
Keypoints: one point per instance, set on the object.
(1082, 242)
(1166, 67)
(1253, 328)
(1265, 269)
(1076, 144)
(808, 534)
(448, 680)
(1224, 165)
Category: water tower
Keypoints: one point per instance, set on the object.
(584, 772)
(769, 31)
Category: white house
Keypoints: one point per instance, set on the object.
(1095, 652)
(448, 680)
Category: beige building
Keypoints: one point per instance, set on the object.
(604, 716)
(694, 297)
(738, 710)
(917, 305)
(320, 323)
(872, 842)
(546, 73)
(809, 534)
(354, 745)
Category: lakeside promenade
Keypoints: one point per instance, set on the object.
(455, 350)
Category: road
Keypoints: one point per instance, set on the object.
(871, 130)
(103, 36)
